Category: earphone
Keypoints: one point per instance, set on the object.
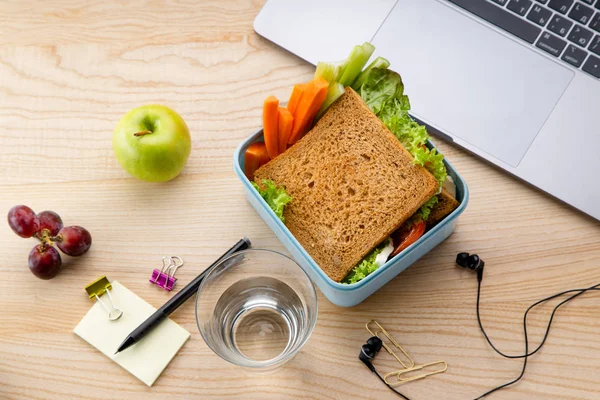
(470, 261)
(474, 263)
(368, 351)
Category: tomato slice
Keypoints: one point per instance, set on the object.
(405, 236)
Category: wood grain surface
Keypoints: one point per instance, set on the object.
(70, 69)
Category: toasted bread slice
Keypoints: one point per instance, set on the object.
(445, 205)
(352, 184)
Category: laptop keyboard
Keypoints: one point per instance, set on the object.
(566, 29)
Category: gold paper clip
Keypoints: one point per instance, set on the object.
(399, 374)
(97, 289)
(409, 362)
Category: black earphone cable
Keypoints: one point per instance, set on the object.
(580, 292)
(527, 354)
(388, 385)
(473, 262)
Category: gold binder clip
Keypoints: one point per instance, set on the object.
(408, 362)
(400, 379)
(97, 289)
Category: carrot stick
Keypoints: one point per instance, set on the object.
(285, 128)
(270, 127)
(295, 96)
(314, 108)
(308, 106)
(255, 157)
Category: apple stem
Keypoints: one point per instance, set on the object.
(142, 133)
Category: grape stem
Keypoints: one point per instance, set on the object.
(142, 133)
(43, 235)
(45, 238)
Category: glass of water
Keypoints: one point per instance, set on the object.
(256, 309)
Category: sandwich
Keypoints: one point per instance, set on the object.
(360, 185)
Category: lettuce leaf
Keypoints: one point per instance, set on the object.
(379, 62)
(275, 197)
(433, 161)
(383, 92)
(414, 138)
(366, 266)
(408, 132)
(381, 86)
(425, 209)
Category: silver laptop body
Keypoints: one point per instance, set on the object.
(516, 82)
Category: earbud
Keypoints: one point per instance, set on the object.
(369, 350)
(472, 262)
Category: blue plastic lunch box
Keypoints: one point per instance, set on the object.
(337, 293)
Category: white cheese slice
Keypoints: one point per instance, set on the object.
(385, 253)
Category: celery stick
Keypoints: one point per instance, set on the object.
(334, 91)
(379, 62)
(356, 61)
(342, 66)
(327, 71)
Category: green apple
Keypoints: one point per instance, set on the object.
(152, 143)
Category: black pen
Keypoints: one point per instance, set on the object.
(176, 300)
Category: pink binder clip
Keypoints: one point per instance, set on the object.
(165, 277)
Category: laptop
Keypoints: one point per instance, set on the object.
(516, 82)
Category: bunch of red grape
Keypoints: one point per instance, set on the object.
(47, 226)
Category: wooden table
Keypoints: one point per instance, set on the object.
(70, 69)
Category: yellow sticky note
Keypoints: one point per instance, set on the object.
(147, 358)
